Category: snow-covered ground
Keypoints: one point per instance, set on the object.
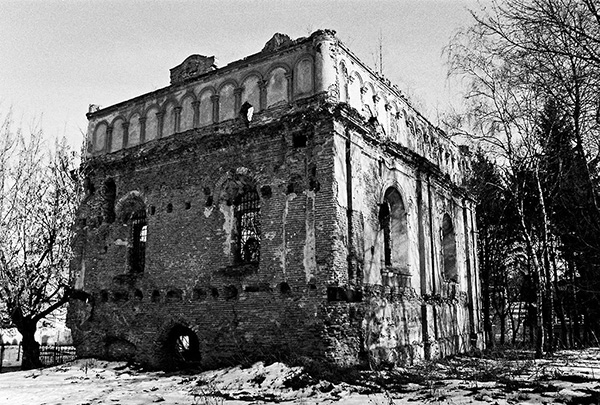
(571, 377)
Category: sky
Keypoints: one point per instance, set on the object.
(57, 57)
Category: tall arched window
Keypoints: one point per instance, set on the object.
(139, 234)
(247, 231)
(109, 191)
(392, 221)
(131, 211)
(449, 249)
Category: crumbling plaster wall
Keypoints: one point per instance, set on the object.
(414, 312)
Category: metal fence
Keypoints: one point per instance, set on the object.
(50, 355)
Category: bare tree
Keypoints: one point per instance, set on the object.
(38, 198)
(516, 57)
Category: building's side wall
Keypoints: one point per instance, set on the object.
(188, 249)
(412, 310)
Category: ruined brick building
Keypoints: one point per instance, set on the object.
(290, 202)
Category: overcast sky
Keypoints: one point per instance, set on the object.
(57, 57)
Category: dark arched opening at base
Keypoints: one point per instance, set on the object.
(182, 348)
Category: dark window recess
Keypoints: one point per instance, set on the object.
(209, 201)
(121, 296)
(174, 295)
(392, 222)
(214, 291)
(138, 295)
(295, 185)
(169, 207)
(198, 294)
(230, 292)
(336, 294)
(188, 205)
(246, 112)
(139, 234)
(284, 288)
(384, 223)
(104, 296)
(247, 214)
(109, 191)
(299, 140)
(266, 191)
(152, 210)
(155, 296)
(251, 288)
(182, 346)
(261, 287)
(449, 249)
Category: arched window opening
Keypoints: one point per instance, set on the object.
(392, 221)
(109, 191)
(449, 249)
(384, 223)
(182, 346)
(139, 235)
(247, 215)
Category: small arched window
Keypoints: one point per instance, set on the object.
(449, 249)
(393, 224)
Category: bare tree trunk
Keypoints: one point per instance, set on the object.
(485, 292)
(538, 335)
(31, 348)
(516, 324)
(547, 301)
(575, 313)
(560, 304)
(502, 316)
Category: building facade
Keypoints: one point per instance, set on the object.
(290, 203)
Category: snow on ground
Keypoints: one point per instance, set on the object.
(570, 377)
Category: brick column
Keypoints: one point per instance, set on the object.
(108, 140)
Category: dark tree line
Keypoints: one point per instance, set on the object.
(533, 111)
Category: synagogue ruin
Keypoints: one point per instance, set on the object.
(292, 202)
